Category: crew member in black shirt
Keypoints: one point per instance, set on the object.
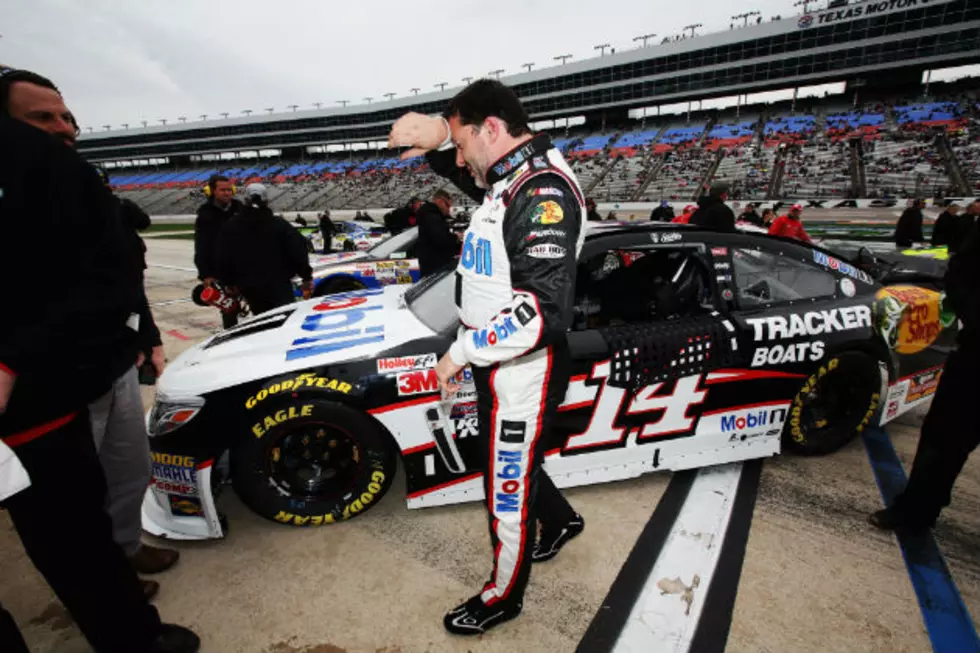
(212, 216)
(437, 246)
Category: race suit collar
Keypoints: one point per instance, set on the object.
(516, 157)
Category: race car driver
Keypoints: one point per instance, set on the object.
(514, 292)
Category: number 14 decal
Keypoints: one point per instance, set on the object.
(602, 429)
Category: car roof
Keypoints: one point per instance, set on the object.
(597, 229)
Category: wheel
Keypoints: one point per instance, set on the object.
(835, 404)
(340, 284)
(310, 462)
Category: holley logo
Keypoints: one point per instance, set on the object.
(406, 363)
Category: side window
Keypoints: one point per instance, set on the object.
(635, 286)
(764, 278)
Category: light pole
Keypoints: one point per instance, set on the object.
(562, 58)
(467, 80)
(368, 99)
(318, 104)
(601, 47)
(415, 91)
(441, 85)
(389, 96)
(496, 73)
(90, 130)
(805, 4)
(142, 121)
(529, 65)
(692, 28)
(182, 119)
(293, 107)
(107, 127)
(125, 125)
(225, 115)
(644, 38)
(203, 116)
(163, 120)
(270, 110)
(344, 103)
(247, 112)
(745, 17)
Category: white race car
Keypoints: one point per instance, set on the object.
(688, 347)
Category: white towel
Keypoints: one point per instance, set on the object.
(13, 476)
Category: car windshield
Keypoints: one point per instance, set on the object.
(431, 301)
(399, 243)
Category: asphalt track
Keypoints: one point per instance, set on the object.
(783, 556)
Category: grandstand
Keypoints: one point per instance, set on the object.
(632, 125)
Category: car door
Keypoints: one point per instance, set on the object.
(639, 387)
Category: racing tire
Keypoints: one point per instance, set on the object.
(312, 462)
(340, 284)
(835, 404)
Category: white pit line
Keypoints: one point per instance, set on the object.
(665, 616)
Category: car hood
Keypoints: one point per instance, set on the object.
(313, 333)
(324, 261)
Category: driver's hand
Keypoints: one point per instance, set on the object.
(446, 371)
(419, 132)
(307, 288)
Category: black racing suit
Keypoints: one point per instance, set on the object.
(64, 337)
(260, 254)
(211, 219)
(515, 293)
(951, 430)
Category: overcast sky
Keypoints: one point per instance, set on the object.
(122, 61)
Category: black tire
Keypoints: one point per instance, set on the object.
(340, 284)
(835, 404)
(274, 473)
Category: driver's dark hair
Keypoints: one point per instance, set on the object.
(486, 98)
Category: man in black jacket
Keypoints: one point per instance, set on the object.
(663, 213)
(116, 417)
(327, 230)
(437, 246)
(909, 227)
(951, 430)
(259, 254)
(712, 212)
(57, 356)
(212, 216)
(749, 215)
(401, 219)
(952, 228)
(591, 214)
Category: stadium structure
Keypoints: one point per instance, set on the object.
(641, 125)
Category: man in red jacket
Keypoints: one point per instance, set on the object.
(790, 226)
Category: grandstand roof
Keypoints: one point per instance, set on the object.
(834, 43)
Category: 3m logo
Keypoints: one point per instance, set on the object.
(490, 337)
(417, 382)
(477, 255)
